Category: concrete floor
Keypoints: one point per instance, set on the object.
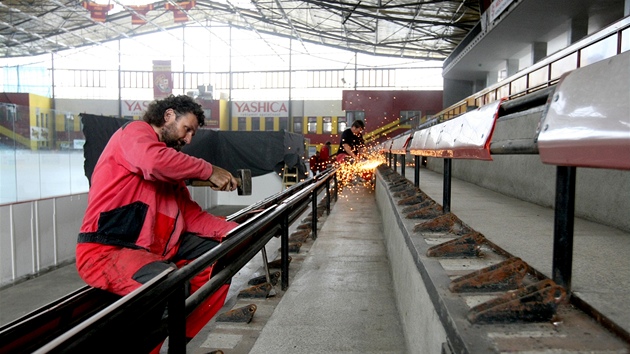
(340, 297)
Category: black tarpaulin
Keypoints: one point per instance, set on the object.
(260, 152)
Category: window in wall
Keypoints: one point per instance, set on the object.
(351, 116)
(410, 117)
(68, 122)
(7, 112)
(502, 75)
(255, 124)
(284, 123)
(312, 125)
(341, 124)
(327, 125)
(297, 125)
(268, 123)
(242, 123)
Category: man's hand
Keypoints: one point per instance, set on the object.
(222, 180)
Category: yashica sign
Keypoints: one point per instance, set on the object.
(260, 108)
(133, 108)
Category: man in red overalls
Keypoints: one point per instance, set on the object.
(140, 218)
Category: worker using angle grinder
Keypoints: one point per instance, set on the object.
(140, 218)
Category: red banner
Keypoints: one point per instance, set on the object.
(98, 12)
(162, 79)
(139, 10)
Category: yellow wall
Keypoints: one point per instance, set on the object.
(40, 106)
(263, 123)
(224, 123)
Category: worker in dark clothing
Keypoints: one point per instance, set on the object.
(351, 142)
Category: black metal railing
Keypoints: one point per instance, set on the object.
(91, 320)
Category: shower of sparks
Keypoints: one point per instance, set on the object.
(359, 173)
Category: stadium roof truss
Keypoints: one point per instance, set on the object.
(422, 29)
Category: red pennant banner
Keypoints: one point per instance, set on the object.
(162, 79)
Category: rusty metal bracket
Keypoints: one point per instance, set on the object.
(242, 314)
(256, 291)
(533, 303)
(418, 206)
(502, 276)
(447, 222)
(468, 245)
(307, 219)
(405, 186)
(430, 211)
(263, 279)
(406, 193)
(295, 247)
(277, 263)
(300, 236)
(306, 226)
(397, 180)
(413, 199)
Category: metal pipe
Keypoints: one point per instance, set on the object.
(284, 252)
(416, 171)
(446, 188)
(402, 165)
(314, 214)
(327, 196)
(223, 276)
(563, 226)
(177, 321)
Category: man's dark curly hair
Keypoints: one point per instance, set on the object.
(181, 104)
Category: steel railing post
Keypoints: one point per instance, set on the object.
(416, 171)
(284, 251)
(327, 196)
(177, 322)
(314, 214)
(336, 186)
(402, 164)
(446, 191)
(563, 226)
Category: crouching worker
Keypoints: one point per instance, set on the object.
(140, 218)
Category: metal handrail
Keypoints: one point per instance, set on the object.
(138, 321)
(493, 92)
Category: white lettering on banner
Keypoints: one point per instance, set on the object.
(259, 108)
(133, 107)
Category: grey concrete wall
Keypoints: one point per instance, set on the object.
(424, 333)
(601, 195)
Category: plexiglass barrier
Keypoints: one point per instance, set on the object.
(41, 154)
